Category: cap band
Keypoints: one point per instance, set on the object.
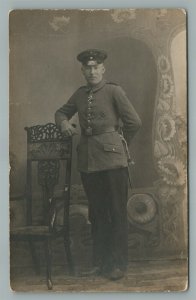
(92, 55)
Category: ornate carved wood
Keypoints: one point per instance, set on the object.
(46, 146)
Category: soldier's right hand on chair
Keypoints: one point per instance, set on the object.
(67, 129)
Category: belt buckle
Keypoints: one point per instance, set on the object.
(88, 131)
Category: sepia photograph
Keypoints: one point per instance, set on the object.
(98, 150)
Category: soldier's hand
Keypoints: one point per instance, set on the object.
(67, 129)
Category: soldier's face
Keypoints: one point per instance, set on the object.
(93, 73)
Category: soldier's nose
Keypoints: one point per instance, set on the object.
(92, 71)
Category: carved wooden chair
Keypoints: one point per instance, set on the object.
(48, 157)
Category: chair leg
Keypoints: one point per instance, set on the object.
(69, 256)
(36, 262)
(48, 252)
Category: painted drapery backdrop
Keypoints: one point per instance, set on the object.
(147, 57)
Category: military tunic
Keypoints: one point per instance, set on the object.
(99, 109)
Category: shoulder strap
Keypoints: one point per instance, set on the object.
(113, 83)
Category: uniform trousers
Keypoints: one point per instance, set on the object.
(107, 193)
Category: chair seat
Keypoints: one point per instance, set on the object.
(38, 230)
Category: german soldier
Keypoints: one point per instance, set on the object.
(102, 160)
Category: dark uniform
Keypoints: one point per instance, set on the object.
(102, 162)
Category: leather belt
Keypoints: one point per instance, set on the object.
(96, 131)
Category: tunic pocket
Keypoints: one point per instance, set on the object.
(112, 148)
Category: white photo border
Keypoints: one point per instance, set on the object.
(5, 6)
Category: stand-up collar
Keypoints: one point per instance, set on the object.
(96, 87)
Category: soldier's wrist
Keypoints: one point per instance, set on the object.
(65, 122)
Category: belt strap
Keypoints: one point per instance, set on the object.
(96, 131)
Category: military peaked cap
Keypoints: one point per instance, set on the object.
(92, 55)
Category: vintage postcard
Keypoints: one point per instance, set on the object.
(98, 150)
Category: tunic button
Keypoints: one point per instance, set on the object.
(88, 131)
(113, 149)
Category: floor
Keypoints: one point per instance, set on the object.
(154, 275)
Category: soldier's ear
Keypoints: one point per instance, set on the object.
(103, 69)
(82, 69)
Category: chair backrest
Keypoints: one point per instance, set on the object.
(48, 148)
